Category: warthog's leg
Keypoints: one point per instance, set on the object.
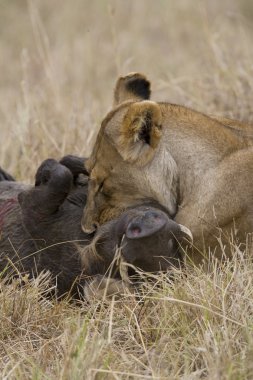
(53, 183)
(4, 176)
(75, 164)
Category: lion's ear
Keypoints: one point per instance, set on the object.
(140, 132)
(133, 86)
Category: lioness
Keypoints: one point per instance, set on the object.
(198, 167)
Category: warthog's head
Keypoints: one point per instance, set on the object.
(127, 158)
(146, 237)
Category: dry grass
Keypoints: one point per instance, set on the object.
(58, 64)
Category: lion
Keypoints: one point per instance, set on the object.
(198, 167)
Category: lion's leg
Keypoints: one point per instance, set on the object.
(222, 206)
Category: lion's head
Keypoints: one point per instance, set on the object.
(120, 170)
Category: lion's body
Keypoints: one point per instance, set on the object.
(215, 168)
(199, 167)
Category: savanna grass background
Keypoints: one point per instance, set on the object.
(58, 64)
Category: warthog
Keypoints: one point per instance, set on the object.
(41, 231)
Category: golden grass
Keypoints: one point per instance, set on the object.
(198, 326)
(58, 64)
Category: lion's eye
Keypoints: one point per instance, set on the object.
(101, 186)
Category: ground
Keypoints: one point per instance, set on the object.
(58, 64)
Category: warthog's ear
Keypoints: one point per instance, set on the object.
(140, 132)
(133, 86)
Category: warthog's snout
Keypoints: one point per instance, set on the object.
(151, 239)
(145, 224)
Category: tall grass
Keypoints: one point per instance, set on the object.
(59, 61)
(198, 326)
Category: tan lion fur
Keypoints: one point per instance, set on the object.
(130, 146)
(126, 86)
(200, 169)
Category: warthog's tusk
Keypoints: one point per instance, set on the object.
(186, 231)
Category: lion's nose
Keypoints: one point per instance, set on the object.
(145, 224)
(95, 225)
(90, 229)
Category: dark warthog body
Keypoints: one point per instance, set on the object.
(41, 230)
